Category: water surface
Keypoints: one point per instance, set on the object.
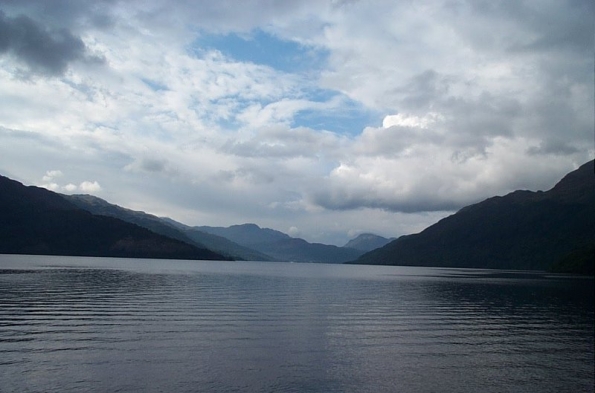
(100, 324)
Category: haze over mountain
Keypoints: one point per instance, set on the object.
(244, 242)
(37, 221)
(367, 242)
(167, 227)
(247, 234)
(281, 246)
(521, 230)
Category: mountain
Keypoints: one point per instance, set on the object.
(226, 246)
(167, 227)
(577, 262)
(37, 221)
(299, 250)
(100, 207)
(367, 242)
(247, 234)
(521, 230)
(281, 246)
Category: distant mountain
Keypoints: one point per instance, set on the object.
(167, 227)
(281, 246)
(244, 242)
(226, 246)
(100, 207)
(299, 250)
(37, 221)
(246, 234)
(522, 230)
(367, 242)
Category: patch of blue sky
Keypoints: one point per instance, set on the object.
(155, 86)
(235, 105)
(319, 94)
(260, 47)
(350, 118)
(337, 113)
(229, 123)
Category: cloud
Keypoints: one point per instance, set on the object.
(51, 175)
(43, 51)
(50, 182)
(51, 186)
(293, 231)
(404, 120)
(152, 165)
(88, 186)
(283, 142)
(556, 147)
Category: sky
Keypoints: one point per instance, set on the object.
(321, 119)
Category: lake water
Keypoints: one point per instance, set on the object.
(120, 325)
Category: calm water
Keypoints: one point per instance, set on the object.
(109, 325)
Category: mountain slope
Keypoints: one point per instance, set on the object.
(522, 230)
(281, 246)
(367, 242)
(100, 207)
(166, 227)
(37, 221)
(299, 250)
(246, 234)
(226, 246)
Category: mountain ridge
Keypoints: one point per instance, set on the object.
(367, 242)
(240, 242)
(34, 220)
(166, 227)
(520, 230)
(282, 246)
(551, 229)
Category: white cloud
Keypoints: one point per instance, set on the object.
(88, 186)
(49, 182)
(50, 175)
(51, 186)
(410, 120)
(294, 231)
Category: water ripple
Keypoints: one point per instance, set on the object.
(113, 325)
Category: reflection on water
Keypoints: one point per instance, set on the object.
(73, 324)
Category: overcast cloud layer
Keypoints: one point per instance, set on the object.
(322, 119)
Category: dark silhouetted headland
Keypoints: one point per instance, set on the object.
(522, 230)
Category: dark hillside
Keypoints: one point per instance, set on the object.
(37, 221)
(166, 227)
(522, 230)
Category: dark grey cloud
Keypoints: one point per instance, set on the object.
(44, 51)
(343, 199)
(527, 26)
(556, 147)
(549, 43)
(422, 91)
(153, 165)
(72, 14)
(556, 113)
(471, 120)
(392, 141)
